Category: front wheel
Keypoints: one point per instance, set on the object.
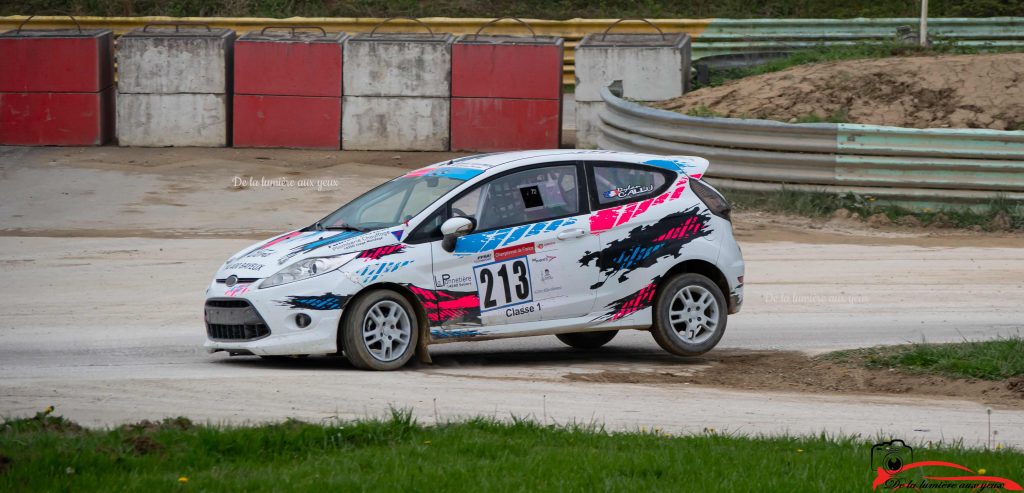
(379, 331)
(690, 315)
(587, 340)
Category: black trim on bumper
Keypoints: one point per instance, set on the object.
(232, 319)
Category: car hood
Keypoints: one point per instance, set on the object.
(265, 258)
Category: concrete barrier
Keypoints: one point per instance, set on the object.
(395, 123)
(652, 67)
(288, 89)
(56, 87)
(174, 86)
(397, 91)
(506, 92)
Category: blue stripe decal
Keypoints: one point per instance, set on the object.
(482, 242)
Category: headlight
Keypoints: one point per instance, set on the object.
(304, 269)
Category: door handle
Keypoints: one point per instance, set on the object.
(571, 233)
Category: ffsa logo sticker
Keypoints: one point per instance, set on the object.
(623, 192)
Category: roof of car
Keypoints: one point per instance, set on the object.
(500, 158)
(468, 167)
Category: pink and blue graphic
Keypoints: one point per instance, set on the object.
(645, 245)
(381, 252)
(324, 241)
(632, 303)
(482, 242)
(453, 172)
(616, 216)
(329, 301)
(373, 272)
(442, 305)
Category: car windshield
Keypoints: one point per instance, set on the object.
(390, 204)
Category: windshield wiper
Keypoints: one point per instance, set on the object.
(344, 227)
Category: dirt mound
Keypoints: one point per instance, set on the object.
(966, 91)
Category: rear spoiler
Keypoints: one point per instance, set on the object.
(692, 166)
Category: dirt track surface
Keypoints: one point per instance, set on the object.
(100, 312)
(965, 91)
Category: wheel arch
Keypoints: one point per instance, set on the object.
(704, 268)
(423, 321)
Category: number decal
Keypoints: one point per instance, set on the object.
(487, 278)
(523, 288)
(513, 288)
(503, 274)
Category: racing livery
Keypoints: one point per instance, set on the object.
(575, 243)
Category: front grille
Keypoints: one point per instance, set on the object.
(246, 332)
(234, 320)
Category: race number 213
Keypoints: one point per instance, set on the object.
(505, 283)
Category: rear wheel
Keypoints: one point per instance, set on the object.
(587, 340)
(379, 331)
(690, 315)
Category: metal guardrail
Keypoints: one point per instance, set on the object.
(939, 165)
(710, 36)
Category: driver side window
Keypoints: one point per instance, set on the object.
(523, 197)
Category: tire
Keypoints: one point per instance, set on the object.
(587, 340)
(364, 317)
(692, 334)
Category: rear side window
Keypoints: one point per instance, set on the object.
(616, 184)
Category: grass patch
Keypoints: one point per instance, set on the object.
(704, 112)
(544, 9)
(1000, 359)
(398, 454)
(999, 214)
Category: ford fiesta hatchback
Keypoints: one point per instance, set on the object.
(579, 244)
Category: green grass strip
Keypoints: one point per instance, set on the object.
(998, 359)
(46, 453)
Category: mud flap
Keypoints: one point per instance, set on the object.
(423, 344)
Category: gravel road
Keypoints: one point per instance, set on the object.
(105, 254)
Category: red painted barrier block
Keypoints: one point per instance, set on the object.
(491, 124)
(55, 118)
(56, 87)
(507, 67)
(56, 61)
(288, 89)
(506, 93)
(287, 121)
(297, 64)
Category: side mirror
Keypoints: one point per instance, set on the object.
(453, 228)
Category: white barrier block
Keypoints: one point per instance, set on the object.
(162, 60)
(162, 120)
(651, 67)
(395, 123)
(398, 64)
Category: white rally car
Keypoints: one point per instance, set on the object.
(579, 244)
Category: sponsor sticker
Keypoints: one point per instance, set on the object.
(514, 251)
(624, 192)
(449, 281)
(244, 266)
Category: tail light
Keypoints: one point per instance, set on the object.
(715, 201)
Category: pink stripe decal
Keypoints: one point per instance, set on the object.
(617, 216)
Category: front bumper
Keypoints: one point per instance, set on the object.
(246, 320)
